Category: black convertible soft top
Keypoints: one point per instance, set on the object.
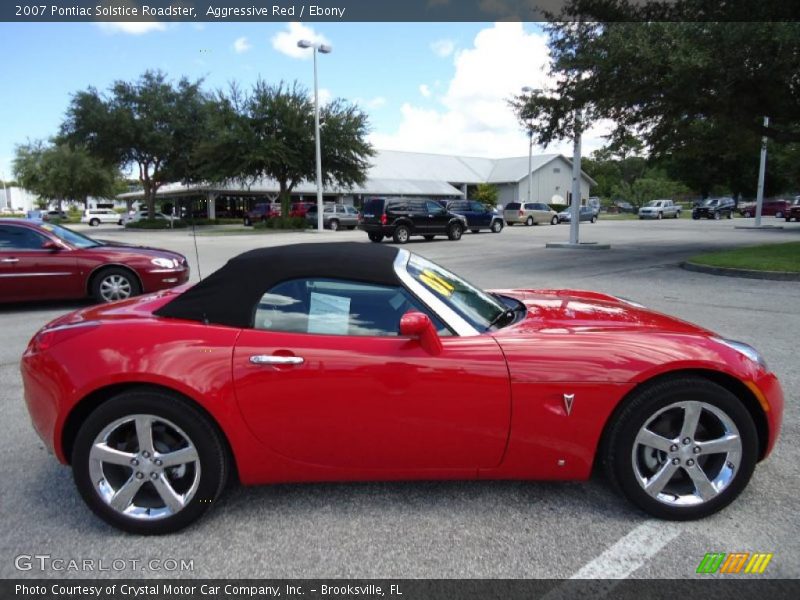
(229, 295)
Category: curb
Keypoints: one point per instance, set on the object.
(746, 273)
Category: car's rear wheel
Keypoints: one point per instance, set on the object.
(554, 221)
(497, 226)
(401, 234)
(660, 216)
(149, 462)
(682, 449)
(333, 225)
(375, 237)
(115, 283)
(594, 219)
(529, 221)
(94, 222)
(454, 232)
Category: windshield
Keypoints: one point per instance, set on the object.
(654, 203)
(69, 236)
(711, 202)
(474, 305)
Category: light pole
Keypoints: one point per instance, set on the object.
(761, 175)
(530, 90)
(575, 208)
(324, 49)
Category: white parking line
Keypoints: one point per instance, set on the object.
(621, 559)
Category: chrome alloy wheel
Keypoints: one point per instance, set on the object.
(115, 287)
(687, 453)
(144, 467)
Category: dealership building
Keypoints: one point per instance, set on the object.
(396, 173)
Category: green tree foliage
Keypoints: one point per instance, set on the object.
(62, 172)
(487, 194)
(692, 79)
(269, 132)
(150, 124)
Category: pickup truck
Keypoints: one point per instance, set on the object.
(660, 209)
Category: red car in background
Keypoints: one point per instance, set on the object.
(43, 261)
(769, 208)
(346, 361)
(261, 212)
(299, 209)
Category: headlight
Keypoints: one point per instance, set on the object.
(745, 349)
(164, 263)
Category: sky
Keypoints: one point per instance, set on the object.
(427, 87)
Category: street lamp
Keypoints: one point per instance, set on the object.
(324, 49)
(761, 173)
(530, 90)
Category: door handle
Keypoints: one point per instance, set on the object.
(263, 359)
(10, 260)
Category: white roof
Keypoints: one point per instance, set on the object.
(395, 172)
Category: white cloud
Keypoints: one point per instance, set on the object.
(425, 91)
(473, 117)
(325, 96)
(285, 42)
(242, 45)
(131, 27)
(443, 48)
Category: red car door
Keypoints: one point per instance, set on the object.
(372, 401)
(30, 272)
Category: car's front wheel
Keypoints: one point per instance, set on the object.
(115, 283)
(497, 226)
(682, 449)
(333, 225)
(454, 232)
(594, 219)
(554, 221)
(149, 462)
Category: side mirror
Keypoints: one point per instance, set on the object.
(419, 326)
(51, 245)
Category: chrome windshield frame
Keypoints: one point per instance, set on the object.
(451, 318)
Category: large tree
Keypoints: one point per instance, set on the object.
(677, 73)
(62, 172)
(269, 132)
(151, 124)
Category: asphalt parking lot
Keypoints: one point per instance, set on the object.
(452, 529)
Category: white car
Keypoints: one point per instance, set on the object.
(139, 215)
(95, 216)
(660, 209)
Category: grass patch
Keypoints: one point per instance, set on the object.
(769, 257)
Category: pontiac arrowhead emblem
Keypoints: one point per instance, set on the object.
(568, 400)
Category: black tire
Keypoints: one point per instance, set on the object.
(594, 219)
(247, 222)
(428, 238)
(660, 216)
(375, 237)
(497, 226)
(621, 456)
(554, 221)
(94, 223)
(210, 449)
(107, 277)
(696, 217)
(333, 225)
(717, 216)
(401, 234)
(529, 221)
(747, 214)
(454, 232)
(778, 215)
(475, 230)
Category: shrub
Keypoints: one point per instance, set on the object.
(282, 223)
(156, 224)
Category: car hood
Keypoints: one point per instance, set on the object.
(585, 311)
(109, 246)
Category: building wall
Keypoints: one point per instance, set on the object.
(552, 180)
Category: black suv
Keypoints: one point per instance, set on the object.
(714, 208)
(400, 218)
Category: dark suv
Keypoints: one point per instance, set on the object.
(714, 208)
(400, 218)
(478, 215)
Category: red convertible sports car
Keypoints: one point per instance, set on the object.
(347, 361)
(43, 261)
